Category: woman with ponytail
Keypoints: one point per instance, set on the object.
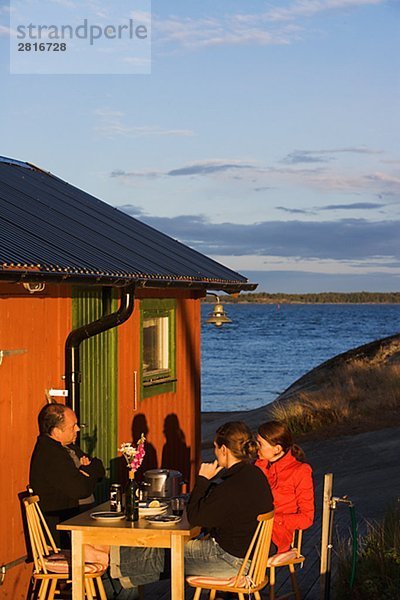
(228, 496)
(290, 479)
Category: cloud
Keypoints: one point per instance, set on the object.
(209, 167)
(338, 180)
(346, 239)
(298, 211)
(131, 209)
(276, 26)
(8, 32)
(352, 206)
(112, 124)
(128, 176)
(310, 8)
(263, 188)
(318, 156)
(298, 281)
(229, 30)
(301, 156)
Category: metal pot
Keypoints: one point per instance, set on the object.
(164, 483)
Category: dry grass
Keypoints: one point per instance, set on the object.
(378, 562)
(351, 393)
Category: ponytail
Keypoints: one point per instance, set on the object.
(298, 453)
(237, 437)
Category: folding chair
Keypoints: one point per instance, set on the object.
(50, 564)
(256, 560)
(287, 559)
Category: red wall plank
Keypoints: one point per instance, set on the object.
(38, 325)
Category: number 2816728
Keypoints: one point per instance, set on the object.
(42, 47)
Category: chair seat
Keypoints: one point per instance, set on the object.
(197, 581)
(61, 563)
(284, 558)
(220, 582)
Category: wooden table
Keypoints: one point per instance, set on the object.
(85, 530)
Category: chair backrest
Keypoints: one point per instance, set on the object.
(258, 551)
(42, 541)
(297, 541)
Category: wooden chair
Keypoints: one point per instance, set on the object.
(256, 559)
(287, 559)
(51, 565)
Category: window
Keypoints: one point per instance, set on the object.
(158, 346)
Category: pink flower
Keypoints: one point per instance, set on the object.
(134, 455)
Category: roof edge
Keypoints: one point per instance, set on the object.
(230, 287)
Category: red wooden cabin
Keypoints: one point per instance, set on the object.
(103, 306)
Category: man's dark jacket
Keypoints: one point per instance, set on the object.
(55, 478)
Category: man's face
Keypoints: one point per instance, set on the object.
(67, 432)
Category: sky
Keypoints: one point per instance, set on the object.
(263, 134)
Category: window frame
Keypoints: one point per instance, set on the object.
(153, 308)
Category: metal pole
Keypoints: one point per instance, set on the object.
(326, 516)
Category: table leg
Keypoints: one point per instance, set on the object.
(78, 573)
(177, 567)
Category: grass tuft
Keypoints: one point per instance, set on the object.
(352, 391)
(378, 562)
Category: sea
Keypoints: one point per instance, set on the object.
(246, 364)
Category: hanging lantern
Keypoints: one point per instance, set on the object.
(218, 316)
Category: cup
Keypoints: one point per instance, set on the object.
(178, 506)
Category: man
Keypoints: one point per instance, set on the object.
(60, 473)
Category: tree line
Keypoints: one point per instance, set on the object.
(314, 298)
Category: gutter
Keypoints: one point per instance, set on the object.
(30, 276)
(77, 336)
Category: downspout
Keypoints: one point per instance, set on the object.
(77, 336)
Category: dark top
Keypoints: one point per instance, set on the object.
(55, 478)
(230, 509)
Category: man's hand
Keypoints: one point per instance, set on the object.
(85, 461)
(209, 470)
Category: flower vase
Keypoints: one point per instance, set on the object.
(132, 499)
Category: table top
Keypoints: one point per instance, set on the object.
(85, 521)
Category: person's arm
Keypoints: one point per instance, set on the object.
(94, 469)
(207, 508)
(63, 475)
(91, 466)
(304, 492)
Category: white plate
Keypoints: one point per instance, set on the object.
(106, 515)
(164, 520)
(145, 510)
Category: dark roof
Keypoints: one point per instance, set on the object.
(53, 231)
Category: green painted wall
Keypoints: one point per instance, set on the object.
(99, 372)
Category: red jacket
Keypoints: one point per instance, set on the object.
(293, 491)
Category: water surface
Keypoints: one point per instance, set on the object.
(248, 363)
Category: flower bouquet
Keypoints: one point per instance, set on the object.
(133, 455)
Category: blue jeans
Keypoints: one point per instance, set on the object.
(140, 565)
(206, 557)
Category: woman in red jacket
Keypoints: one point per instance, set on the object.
(290, 479)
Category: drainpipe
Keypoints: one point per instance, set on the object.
(77, 336)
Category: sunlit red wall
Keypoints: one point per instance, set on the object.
(36, 324)
(182, 407)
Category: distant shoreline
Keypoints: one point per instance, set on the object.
(311, 298)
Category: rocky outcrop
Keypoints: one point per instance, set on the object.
(379, 352)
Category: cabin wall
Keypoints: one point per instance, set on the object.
(171, 421)
(37, 326)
